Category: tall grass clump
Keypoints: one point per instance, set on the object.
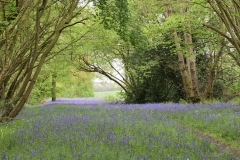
(107, 131)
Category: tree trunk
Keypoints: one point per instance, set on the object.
(34, 58)
(209, 88)
(214, 61)
(54, 76)
(192, 57)
(187, 65)
(184, 71)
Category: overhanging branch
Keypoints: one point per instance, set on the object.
(218, 32)
(69, 25)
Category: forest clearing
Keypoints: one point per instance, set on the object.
(91, 129)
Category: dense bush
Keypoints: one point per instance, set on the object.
(156, 77)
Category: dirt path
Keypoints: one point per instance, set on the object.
(221, 145)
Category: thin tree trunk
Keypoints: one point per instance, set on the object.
(214, 60)
(54, 76)
(209, 88)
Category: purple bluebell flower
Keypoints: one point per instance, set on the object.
(94, 129)
(76, 101)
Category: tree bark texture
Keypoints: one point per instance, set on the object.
(187, 65)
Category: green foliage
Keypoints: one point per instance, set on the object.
(7, 130)
(111, 98)
(79, 84)
(138, 39)
(8, 13)
(115, 98)
(155, 75)
(236, 101)
(69, 81)
(114, 14)
(105, 94)
(212, 101)
(41, 90)
(5, 103)
(182, 101)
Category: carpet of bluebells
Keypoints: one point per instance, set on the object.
(91, 129)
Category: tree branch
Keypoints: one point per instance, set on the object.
(3, 1)
(69, 25)
(218, 32)
(43, 5)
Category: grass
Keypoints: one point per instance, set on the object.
(105, 94)
(150, 131)
(223, 123)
